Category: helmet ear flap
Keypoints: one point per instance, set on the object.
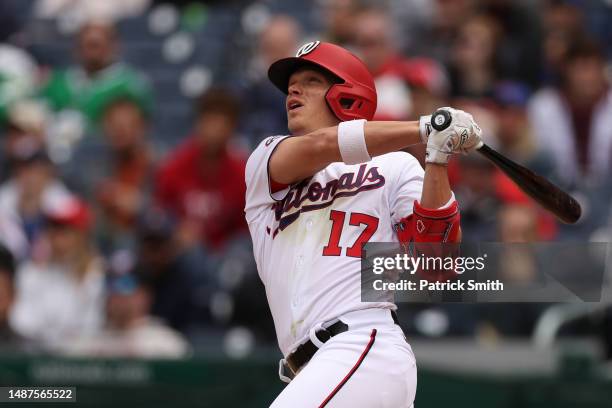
(347, 102)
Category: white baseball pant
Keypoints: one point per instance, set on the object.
(369, 366)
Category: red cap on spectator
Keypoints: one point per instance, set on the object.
(71, 212)
(425, 73)
(509, 193)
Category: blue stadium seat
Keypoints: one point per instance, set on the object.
(143, 54)
(171, 123)
(135, 29)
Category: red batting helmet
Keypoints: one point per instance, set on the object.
(353, 98)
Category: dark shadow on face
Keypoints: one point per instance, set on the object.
(97, 46)
(125, 309)
(124, 125)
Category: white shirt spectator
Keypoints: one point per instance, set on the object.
(18, 72)
(55, 192)
(12, 236)
(551, 120)
(111, 10)
(52, 306)
(12, 231)
(148, 338)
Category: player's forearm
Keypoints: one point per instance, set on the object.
(381, 138)
(436, 188)
(387, 137)
(301, 157)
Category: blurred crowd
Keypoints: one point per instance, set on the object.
(121, 216)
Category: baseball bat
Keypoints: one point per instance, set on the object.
(545, 193)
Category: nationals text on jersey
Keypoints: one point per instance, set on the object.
(347, 185)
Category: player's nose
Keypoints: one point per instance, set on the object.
(294, 89)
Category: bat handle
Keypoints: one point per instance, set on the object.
(441, 119)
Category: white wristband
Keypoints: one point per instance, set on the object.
(351, 141)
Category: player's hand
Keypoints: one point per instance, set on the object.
(462, 136)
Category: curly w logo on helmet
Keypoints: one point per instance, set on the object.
(307, 48)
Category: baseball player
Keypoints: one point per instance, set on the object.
(314, 198)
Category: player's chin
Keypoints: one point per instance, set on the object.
(295, 125)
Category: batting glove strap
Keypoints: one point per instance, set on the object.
(425, 127)
(437, 156)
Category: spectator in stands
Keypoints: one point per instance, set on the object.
(339, 20)
(107, 9)
(562, 24)
(376, 43)
(24, 130)
(14, 17)
(515, 137)
(472, 68)
(115, 172)
(178, 278)
(518, 223)
(9, 340)
(474, 184)
(202, 182)
(438, 28)
(12, 236)
(98, 79)
(573, 122)
(266, 114)
(278, 39)
(19, 74)
(62, 295)
(374, 37)
(428, 83)
(518, 266)
(32, 187)
(519, 46)
(129, 331)
(123, 189)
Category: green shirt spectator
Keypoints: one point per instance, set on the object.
(73, 88)
(99, 78)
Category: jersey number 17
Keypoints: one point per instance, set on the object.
(356, 219)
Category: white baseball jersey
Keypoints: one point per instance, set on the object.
(307, 238)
